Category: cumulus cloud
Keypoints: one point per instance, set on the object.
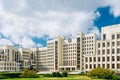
(115, 7)
(27, 42)
(5, 42)
(94, 30)
(14, 6)
(22, 20)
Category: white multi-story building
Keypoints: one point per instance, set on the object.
(40, 57)
(25, 55)
(9, 59)
(69, 55)
(107, 50)
(13, 59)
(82, 53)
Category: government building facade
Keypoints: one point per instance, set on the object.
(81, 54)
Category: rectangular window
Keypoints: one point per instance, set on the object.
(108, 44)
(113, 65)
(103, 51)
(98, 52)
(113, 51)
(118, 50)
(94, 65)
(103, 59)
(78, 39)
(98, 45)
(118, 58)
(118, 36)
(94, 59)
(108, 58)
(118, 66)
(108, 51)
(90, 59)
(98, 59)
(118, 43)
(113, 58)
(103, 44)
(86, 59)
(90, 66)
(86, 66)
(104, 36)
(113, 44)
(113, 36)
(103, 65)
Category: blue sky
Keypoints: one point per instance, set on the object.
(32, 22)
(106, 18)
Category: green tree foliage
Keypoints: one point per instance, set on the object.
(9, 75)
(64, 74)
(101, 73)
(47, 75)
(115, 77)
(3, 77)
(56, 74)
(29, 74)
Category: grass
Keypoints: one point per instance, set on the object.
(70, 77)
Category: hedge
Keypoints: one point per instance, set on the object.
(10, 75)
(56, 74)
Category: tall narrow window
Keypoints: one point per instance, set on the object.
(103, 51)
(98, 45)
(108, 51)
(113, 51)
(103, 44)
(98, 52)
(104, 36)
(103, 59)
(113, 58)
(118, 36)
(108, 44)
(118, 43)
(98, 59)
(113, 36)
(113, 44)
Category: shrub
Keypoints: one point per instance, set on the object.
(56, 74)
(101, 73)
(115, 77)
(29, 74)
(10, 75)
(47, 75)
(64, 74)
(3, 77)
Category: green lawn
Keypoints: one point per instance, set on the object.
(70, 77)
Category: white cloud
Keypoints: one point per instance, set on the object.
(5, 42)
(97, 14)
(25, 19)
(14, 6)
(95, 30)
(57, 24)
(115, 7)
(27, 42)
(38, 45)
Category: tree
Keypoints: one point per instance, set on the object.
(100, 73)
(29, 74)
